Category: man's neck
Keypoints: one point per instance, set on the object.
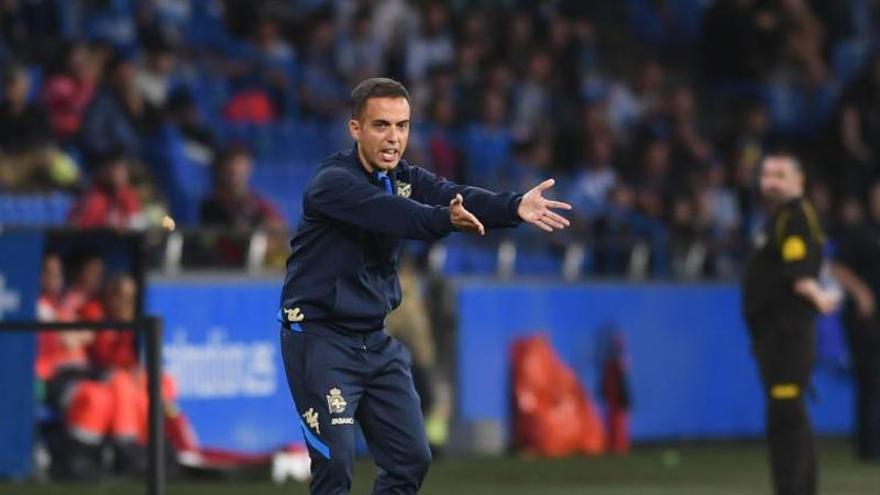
(364, 163)
(775, 204)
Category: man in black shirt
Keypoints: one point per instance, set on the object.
(781, 295)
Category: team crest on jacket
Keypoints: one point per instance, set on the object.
(404, 189)
(335, 401)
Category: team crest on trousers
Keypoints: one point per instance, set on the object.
(335, 401)
(404, 190)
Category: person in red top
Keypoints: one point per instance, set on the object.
(234, 207)
(83, 295)
(67, 93)
(71, 389)
(61, 349)
(111, 201)
(113, 348)
(232, 203)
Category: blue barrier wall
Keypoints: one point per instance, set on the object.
(692, 375)
(221, 345)
(691, 372)
(19, 287)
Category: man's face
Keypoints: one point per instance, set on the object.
(52, 281)
(780, 179)
(381, 132)
(121, 300)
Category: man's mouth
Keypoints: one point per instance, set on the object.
(388, 154)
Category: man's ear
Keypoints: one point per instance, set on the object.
(354, 128)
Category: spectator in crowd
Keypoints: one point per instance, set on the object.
(111, 201)
(442, 147)
(69, 90)
(199, 141)
(119, 117)
(596, 177)
(232, 203)
(25, 135)
(154, 77)
(686, 248)
(434, 46)
(857, 266)
(487, 142)
(322, 92)
(359, 54)
(484, 79)
(857, 136)
(803, 40)
(86, 273)
(629, 106)
(114, 348)
(56, 348)
(70, 388)
(534, 96)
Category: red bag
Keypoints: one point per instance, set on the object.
(554, 415)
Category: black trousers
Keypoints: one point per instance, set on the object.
(337, 379)
(785, 350)
(864, 347)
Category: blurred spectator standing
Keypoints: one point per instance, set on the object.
(857, 267)
(119, 117)
(111, 201)
(25, 135)
(232, 203)
(70, 88)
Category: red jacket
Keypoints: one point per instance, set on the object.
(99, 207)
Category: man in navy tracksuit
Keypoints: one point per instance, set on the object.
(342, 281)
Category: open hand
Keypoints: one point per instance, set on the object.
(536, 209)
(462, 219)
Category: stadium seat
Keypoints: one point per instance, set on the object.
(34, 210)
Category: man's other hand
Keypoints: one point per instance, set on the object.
(462, 219)
(536, 209)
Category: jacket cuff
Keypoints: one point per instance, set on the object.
(513, 207)
(442, 221)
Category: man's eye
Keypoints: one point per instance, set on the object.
(380, 126)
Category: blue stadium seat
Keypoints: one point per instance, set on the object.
(465, 257)
(34, 210)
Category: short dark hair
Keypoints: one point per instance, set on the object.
(784, 154)
(375, 87)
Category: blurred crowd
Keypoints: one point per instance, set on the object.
(651, 114)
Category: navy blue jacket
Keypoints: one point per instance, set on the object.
(342, 270)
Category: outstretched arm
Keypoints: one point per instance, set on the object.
(492, 209)
(338, 195)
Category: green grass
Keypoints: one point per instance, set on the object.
(717, 469)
